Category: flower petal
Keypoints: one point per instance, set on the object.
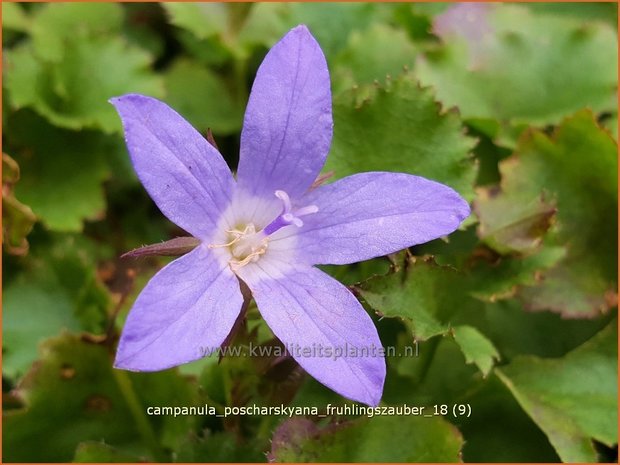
(185, 311)
(373, 214)
(315, 317)
(185, 175)
(287, 128)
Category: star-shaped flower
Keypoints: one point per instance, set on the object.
(270, 226)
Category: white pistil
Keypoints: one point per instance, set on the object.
(289, 216)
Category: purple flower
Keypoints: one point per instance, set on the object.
(269, 227)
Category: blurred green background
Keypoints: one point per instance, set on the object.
(513, 105)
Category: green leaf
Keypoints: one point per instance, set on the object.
(32, 311)
(591, 11)
(264, 25)
(59, 290)
(99, 452)
(515, 331)
(74, 63)
(378, 439)
(14, 17)
(209, 31)
(571, 64)
(476, 347)
(499, 430)
(330, 23)
(204, 20)
(143, 27)
(398, 126)
(62, 171)
(438, 374)
(17, 218)
(202, 97)
(74, 92)
(71, 396)
(576, 169)
(74, 395)
(611, 125)
(372, 54)
(573, 398)
(415, 18)
(424, 296)
(57, 24)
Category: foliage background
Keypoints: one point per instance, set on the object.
(512, 105)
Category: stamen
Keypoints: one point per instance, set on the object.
(253, 257)
(249, 229)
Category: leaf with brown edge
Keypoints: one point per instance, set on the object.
(17, 218)
(508, 226)
(576, 167)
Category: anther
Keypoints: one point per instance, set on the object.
(249, 229)
(253, 257)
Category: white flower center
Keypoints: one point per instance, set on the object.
(245, 245)
(247, 227)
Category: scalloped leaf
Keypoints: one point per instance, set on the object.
(372, 54)
(17, 218)
(55, 25)
(573, 399)
(235, 29)
(398, 126)
(476, 347)
(571, 64)
(73, 92)
(427, 297)
(414, 296)
(576, 169)
(61, 171)
(330, 22)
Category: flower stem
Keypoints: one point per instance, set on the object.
(137, 412)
